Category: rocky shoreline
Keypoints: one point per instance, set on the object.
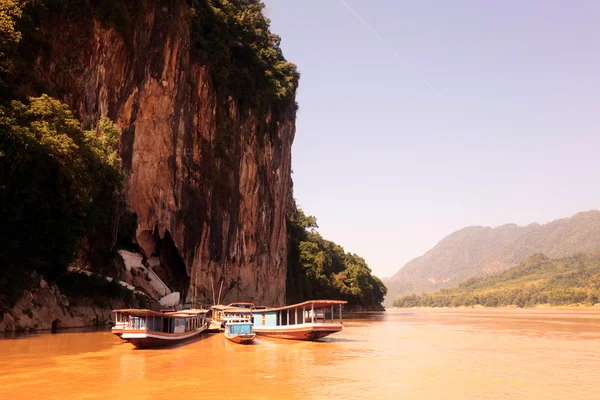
(45, 307)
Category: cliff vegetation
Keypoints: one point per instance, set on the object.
(319, 268)
(233, 37)
(537, 280)
(59, 184)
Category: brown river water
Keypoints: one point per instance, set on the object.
(408, 354)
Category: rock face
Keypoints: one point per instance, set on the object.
(45, 308)
(210, 213)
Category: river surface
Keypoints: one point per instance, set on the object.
(409, 354)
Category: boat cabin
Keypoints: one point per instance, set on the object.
(221, 312)
(309, 312)
(235, 312)
(238, 326)
(164, 322)
(120, 319)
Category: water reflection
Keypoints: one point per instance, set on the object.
(132, 363)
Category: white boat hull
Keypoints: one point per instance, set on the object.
(245, 338)
(299, 332)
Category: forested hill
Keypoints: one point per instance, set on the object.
(318, 268)
(479, 251)
(537, 280)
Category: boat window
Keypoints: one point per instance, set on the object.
(179, 325)
(240, 329)
(137, 322)
(150, 323)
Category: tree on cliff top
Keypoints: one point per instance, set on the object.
(233, 37)
(58, 183)
(10, 12)
(318, 268)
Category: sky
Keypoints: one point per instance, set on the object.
(419, 118)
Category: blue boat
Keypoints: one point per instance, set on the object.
(239, 330)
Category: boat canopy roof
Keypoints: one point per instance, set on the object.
(187, 313)
(148, 313)
(232, 320)
(232, 309)
(241, 304)
(237, 310)
(137, 312)
(220, 307)
(317, 304)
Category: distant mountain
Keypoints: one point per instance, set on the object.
(479, 251)
(537, 280)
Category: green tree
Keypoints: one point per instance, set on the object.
(246, 60)
(10, 12)
(318, 268)
(58, 183)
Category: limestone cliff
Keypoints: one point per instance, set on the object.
(210, 202)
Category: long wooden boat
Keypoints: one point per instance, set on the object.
(239, 330)
(147, 328)
(222, 312)
(310, 320)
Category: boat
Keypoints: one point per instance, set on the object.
(239, 330)
(241, 305)
(147, 328)
(221, 312)
(119, 321)
(310, 320)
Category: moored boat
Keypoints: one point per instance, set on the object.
(119, 323)
(221, 312)
(310, 320)
(239, 330)
(147, 328)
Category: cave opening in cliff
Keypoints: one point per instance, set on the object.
(172, 269)
(55, 325)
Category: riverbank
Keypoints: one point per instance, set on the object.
(76, 301)
(46, 308)
(513, 307)
(82, 300)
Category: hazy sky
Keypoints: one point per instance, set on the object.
(429, 116)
